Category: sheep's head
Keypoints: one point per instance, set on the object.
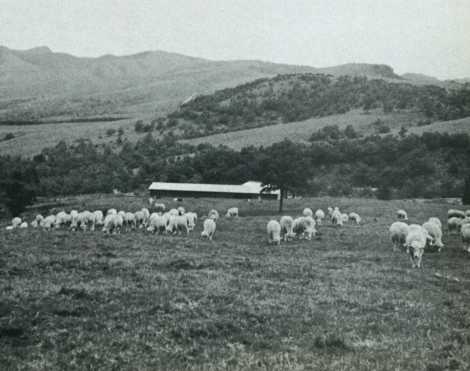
(416, 251)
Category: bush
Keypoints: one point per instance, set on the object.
(110, 132)
(9, 136)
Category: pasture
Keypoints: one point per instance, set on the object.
(343, 301)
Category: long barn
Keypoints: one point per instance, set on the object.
(248, 190)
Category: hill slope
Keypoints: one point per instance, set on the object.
(39, 83)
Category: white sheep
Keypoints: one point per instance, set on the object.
(139, 219)
(435, 220)
(307, 212)
(23, 225)
(415, 243)
(398, 232)
(74, 220)
(355, 217)
(61, 219)
(402, 214)
(233, 211)
(465, 234)
(213, 214)
(209, 228)
(159, 208)
(158, 222)
(344, 217)
(273, 229)
(112, 223)
(48, 222)
(304, 227)
(177, 223)
(98, 219)
(146, 215)
(287, 227)
(16, 222)
(173, 212)
(111, 212)
(192, 219)
(181, 210)
(435, 232)
(336, 218)
(130, 221)
(319, 216)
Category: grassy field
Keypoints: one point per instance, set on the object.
(343, 301)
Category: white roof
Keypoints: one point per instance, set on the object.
(248, 187)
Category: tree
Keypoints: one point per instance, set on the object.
(284, 166)
(466, 192)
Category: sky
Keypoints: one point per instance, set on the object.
(422, 36)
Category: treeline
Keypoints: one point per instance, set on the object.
(295, 97)
(431, 165)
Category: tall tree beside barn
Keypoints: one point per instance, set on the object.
(285, 166)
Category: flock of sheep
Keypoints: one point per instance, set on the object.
(174, 221)
(414, 238)
(304, 226)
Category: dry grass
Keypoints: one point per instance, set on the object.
(343, 301)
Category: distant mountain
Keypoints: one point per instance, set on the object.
(39, 83)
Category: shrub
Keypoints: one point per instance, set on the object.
(9, 136)
(110, 132)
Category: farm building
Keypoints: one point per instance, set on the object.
(248, 190)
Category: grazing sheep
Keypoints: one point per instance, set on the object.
(112, 223)
(336, 218)
(34, 224)
(173, 212)
(213, 214)
(9, 228)
(453, 224)
(415, 243)
(402, 214)
(61, 219)
(74, 220)
(455, 213)
(48, 222)
(307, 212)
(159, 208)
(209, 228)
(435, 232)
(146, 213)
(130, 221)
(23, 225)
(233, 211)
(157, 223)
(84, 219)
(344, 218)
(287, 227)
(398, 232)
(139, 218)
(436, 221)
(181, 210)
(465, 234)
(177, 223)
(273, 229)
(111, 212)
(304, 227)
(319, 216)
(192, 219)
(98, 219)
(16, 222)
(355, 217)
(330, 211)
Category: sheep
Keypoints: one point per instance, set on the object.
(61, 219)
(355, 217)
(157, 223)
(34, 224)
(307, 212)
(233, 211)
(213, 214)
(146, 213)
(74, 220)
(177, 223)
(319, 216)
(455, 213)
(344, 218)
(304, 227)
(287, 225)
(336, 217)
(273, 229)
(159, 208)
(192, 219)
(139, 218)
(330, 211)
(98, 219)
(9, 227)
(23, 225)
(181, 210)
(402, 214)
(415, 243)
(209, 228)
(436, 221)
(130, 221)
(173, 212)
(435, 232)
(453, 224)
(84, 219)
(398, 232)
(16, 222)
(465, 234)
(112, 223)
(48, 222)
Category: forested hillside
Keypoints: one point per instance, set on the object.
(296, 97)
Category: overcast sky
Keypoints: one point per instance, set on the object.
(427, 36)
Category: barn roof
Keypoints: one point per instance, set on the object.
(250, 187)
